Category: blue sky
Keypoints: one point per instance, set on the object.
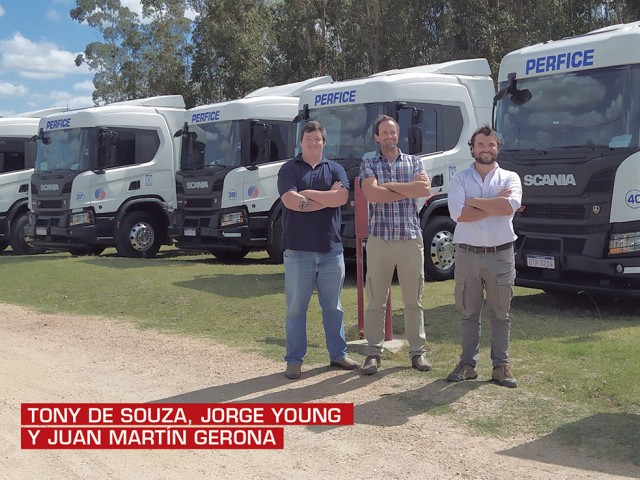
(38, 44)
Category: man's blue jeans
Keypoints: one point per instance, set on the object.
(304, 271)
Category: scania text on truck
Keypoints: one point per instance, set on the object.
(105, 176)
(228, 202)
(437, 108)
(17, 157)
(569, 114)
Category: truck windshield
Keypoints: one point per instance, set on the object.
(63, 150)
(349, 129)
(212, 144)
(591, 108)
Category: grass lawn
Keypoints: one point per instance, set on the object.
(574, 357)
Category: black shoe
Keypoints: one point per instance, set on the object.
(371, 365)
(419, 362)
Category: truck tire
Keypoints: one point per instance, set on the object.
(275, 248)
(230, 254)
(438, 248)
(138, 237)
(16, 237)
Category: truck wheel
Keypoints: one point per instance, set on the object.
(137, 237)
(230, 254)
(274, 243)
(438, 248)
(17, 240)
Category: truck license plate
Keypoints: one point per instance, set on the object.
(41, 230)
(541, 261)
(189, 232)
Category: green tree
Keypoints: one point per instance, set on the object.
(232, 42)
(116, 60)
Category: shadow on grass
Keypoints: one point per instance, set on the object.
(609, 436)
(237, 286)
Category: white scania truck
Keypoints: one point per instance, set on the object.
(105, 176)
(437, 108)
(17, 157)
(228, 202)
(569, 114)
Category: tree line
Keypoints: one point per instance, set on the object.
(215, 50)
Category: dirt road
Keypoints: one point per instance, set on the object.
(59, 358)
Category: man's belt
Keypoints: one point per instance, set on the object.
(473, 249)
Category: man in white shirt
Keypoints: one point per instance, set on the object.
(483, 200)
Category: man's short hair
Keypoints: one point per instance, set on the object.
(384, 118)
(314, 126)
(485, 130)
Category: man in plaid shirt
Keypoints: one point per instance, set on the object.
(392, 182)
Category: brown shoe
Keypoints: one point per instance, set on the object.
(419, 362)
(345, 363)
(502, 376)
(463, 371)
(293, 371)
(371, 365)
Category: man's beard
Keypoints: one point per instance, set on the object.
(479, 158)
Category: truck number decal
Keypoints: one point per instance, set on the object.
(633, 199)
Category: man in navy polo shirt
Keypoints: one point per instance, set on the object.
(312, 190)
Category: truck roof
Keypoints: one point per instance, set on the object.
(448, 83)
(605, 47)
(267, 103)
(290, 89)
(166, 101)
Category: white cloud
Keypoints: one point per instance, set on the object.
(59, 98)
(7, 88)
(1, 11)
(86, 86)
(133, 5)
(41, 60)
(53, 15)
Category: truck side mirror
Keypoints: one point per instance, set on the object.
(414, 136)
(107, 152)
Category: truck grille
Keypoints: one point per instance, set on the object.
(562, 212)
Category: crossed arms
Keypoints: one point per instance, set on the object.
(313, 200)
(479, 208)
(388, 192)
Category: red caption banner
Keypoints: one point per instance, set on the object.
(171, 425)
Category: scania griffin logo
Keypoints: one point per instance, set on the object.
(539, 180)
(49, 187)
(192, 185)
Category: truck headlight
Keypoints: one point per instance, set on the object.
(624, 243)
(235, 218)
(83, 218)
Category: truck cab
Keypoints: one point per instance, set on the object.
(569, 115)
(105, 176)
(228, 201)
(17, 157)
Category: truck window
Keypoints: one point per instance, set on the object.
(281, 136)
(349, 129)
(13, 158)
(428, 126)
(590, 108)
(134, 146)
